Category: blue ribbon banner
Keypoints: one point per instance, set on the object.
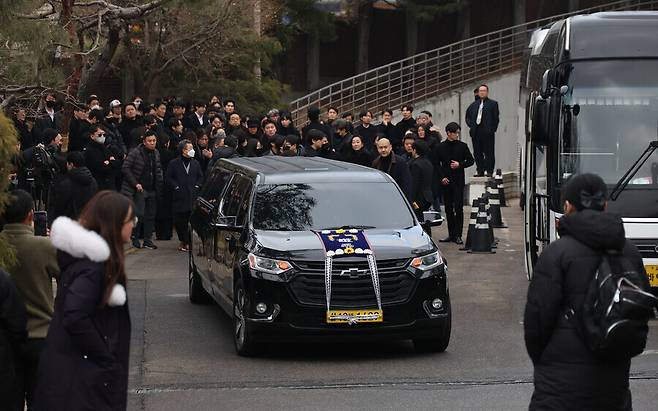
(343, 243)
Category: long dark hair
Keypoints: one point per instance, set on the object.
(106, 214)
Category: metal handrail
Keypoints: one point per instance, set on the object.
(431, 73)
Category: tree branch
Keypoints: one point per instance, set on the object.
(47, 11)
(96, 70)
(98, 37)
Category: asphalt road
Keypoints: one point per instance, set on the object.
(182, 355)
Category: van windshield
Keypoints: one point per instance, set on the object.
(317, 206)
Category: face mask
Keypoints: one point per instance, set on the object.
(191, 153)
(50, 104)
(100, 139)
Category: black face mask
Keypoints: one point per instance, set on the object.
(50, 104)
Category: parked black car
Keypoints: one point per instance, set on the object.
(255, 252)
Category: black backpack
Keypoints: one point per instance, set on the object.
(613, 320)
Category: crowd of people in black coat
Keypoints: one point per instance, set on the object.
(159, 154)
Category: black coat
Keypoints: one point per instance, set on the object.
(490, 118)
(105, 174)
(78, 134)
(392, 133)
(445, 153)
(84, 362)
(361, 157)
(422, 174)
(287, 131)
(184, 186)
(43, 122)
(342, 145)
(25, 137)
(191, 122)
(125, 129)
(367, 135)
(203, 160)
(71, 193)
(398, 169)
(403, 126)
(567, 375)
(306, 140)
(13, 332)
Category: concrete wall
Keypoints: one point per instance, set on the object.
(452, 107)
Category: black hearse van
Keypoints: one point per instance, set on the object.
(255, 250)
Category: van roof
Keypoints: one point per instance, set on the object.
(287, 170)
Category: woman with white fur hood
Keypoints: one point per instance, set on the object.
(84, 362)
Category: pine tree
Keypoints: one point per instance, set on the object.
(8, 150)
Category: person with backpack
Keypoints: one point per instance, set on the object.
(582, 353)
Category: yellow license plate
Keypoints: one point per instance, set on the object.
(652, 274)
(354, 316)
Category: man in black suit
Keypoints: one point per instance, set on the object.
(452, 157)
(422, 173)
(315, 124)
(482, 117)
(198, 118)
(49, 118)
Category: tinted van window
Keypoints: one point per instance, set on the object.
(316, 206)
(236, 198)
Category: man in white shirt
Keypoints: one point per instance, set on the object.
(198, 119)
(482, 118)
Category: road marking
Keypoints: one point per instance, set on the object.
(148, 390)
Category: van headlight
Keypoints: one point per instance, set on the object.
(268, 265)
(422, 266)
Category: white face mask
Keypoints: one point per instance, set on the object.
(191, 153)
(100, 139)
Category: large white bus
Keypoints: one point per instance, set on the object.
(592, 87)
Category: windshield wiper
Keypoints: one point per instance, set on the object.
(626, 178)
(344, 227)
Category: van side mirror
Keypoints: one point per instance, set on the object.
(540, 116)
(432, 218)
(227, 223)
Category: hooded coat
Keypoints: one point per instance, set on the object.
(567, 375)
(84, 362)
(71, 193)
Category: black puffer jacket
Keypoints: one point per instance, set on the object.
(134, 169)
(84, 362)
(567, 375)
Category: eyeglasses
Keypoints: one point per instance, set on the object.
(132, 221)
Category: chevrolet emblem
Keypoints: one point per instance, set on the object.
(354, 273)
